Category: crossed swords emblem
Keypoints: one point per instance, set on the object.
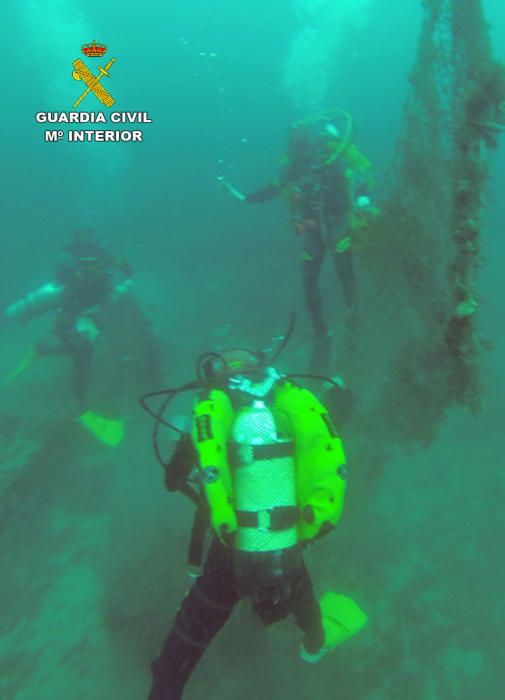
(93, 82)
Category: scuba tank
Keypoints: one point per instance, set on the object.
(264, 482)
(262, 457)
(38, 302)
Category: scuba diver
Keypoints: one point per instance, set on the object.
(326, 181)
(266, 469)
(83, 283)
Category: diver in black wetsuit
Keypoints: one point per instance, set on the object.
(325, 179)
(86, 280)
(270, 474)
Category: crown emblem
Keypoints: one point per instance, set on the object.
(93, 50)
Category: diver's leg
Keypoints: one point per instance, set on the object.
(307, 613)
(81, 353)
(339, 244)
(312, 259)
(344, 267)
(44, 349)
(202, 614)
(80, 350)
(313, 255)
(321, 348)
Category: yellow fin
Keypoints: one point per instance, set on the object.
(342, 618)
(25, 362)
(107, 430)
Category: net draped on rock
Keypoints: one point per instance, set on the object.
(414, 349)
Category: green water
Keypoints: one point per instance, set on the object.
(92, 549)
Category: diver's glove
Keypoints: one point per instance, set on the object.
(343, 244)
(225, 185)
(363, 202)
(121, 288)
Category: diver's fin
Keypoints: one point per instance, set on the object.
(107, 430)
(24, 363)
(342, 618)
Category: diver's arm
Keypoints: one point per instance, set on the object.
(359, 170)
(123, 267)
(266, 193)
(125, 273)
(272, 190)
(263, 195)
(362, 196)
(36, 303)
(180, 465)
(232, 191)
(122, 287)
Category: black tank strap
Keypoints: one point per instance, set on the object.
(245, 454)
(273, 519)
(274, 451)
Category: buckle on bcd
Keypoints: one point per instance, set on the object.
(264, 520)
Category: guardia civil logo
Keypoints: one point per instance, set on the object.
(81, 72)
(90, 116)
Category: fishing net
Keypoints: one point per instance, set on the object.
(413, 351)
